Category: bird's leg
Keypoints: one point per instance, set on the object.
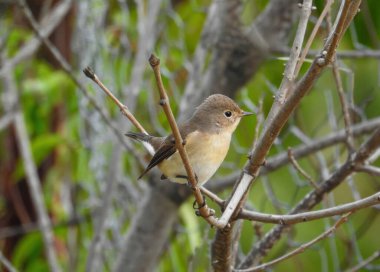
(197, 213)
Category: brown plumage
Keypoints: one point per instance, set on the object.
(207, 134)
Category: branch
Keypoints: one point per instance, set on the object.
(300, 249)
(123, 108)
(67, 68)
(301, 151)
(363, 263)
(310, 216)
(300, 170)
(47, 26)
(315, 197)
(204, 210)
(32, 178)
(7, 264)
(369, 169)
(274, 127)
(290, 69)
(342, 54)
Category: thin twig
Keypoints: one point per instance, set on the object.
(123, 108)
(67, 68)
(312, 36)
(369, 169)
(315, 197)
(274, 125)
(290, 219)
(290, 69)
(33, 180)
(342, 54)
(300, 249)
(300, 170)
(275, 162)
(363, 263)
(204, 210)
(260, 121)
(7, 264)
(47, 26)
(215, 198)
(342, 98)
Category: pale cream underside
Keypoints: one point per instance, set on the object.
(206, 153)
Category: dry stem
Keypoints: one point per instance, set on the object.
(204, 210)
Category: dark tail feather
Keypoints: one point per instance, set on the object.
(138, 136)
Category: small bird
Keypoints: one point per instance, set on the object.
(207, 135)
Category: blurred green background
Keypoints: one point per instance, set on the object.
(71, 144)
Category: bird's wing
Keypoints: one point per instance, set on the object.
(168, 148)
(165, 151)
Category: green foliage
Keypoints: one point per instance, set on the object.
(46, 92)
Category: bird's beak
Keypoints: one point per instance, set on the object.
(246, 113)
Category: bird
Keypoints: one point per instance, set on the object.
(207, 136)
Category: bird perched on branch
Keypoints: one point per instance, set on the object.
(207, 136)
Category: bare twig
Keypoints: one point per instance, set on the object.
(342, 54)
(274, 126)
(260, 121)
(215, 198)
(32, 178)
(363, 263)
(290, 69)
(300, 170)
(312, 36)
(369, 169)
(313, 198)
(314, 215)
(300, 249)
(7, 264)
(204, 210)
(67, 68)
(123, 108)
(47, 26)
(301, 151)
(342, 98)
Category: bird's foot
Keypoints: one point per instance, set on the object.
(197, 208)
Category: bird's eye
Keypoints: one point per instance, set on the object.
(228, 114)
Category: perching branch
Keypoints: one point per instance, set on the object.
(204, 210)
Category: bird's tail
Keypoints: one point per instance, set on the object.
(138, 136)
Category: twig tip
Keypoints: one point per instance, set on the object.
(89, 72)
(153, 60)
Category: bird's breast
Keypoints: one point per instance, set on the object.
(206, 152)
